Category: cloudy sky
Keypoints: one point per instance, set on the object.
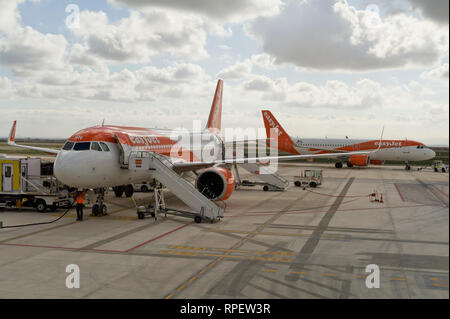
(324, 67)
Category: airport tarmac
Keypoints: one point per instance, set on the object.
(292, 244)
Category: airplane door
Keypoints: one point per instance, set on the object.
(24, 170)
(7, 178)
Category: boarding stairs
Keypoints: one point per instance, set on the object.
(161, 170)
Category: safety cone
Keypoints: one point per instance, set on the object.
(381, 198)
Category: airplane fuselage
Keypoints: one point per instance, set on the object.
(390, 150)
(91, 158)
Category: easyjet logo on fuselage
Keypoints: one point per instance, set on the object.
(389, 143)
(147, 140)
(272, 123)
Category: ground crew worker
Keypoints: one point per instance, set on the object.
(80, 204)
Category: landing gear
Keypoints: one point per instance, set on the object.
(118, 191)
(349, 164)
(338, 165)
(129, 190)
(407, 167)
(99, 208)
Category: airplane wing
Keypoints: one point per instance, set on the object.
(11, 142)
(186, 165)
(181, 165)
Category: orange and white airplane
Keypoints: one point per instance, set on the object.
(111, 156)
(388, 150)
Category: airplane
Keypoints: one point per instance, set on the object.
(101, 156)
(389, 150)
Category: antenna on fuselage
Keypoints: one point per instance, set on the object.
(103, 123)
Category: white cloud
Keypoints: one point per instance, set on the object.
(26, 50)
(331, 35)
(144, 84)
(138, 37)
(439, 73)
(9, 15)
(243, 69)
(232, 11)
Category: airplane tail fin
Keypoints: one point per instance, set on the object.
(285, 142)
(12, 134)
(215, 115)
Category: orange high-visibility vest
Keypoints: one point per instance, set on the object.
(80, 198)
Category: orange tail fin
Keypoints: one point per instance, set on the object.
(285, 143)
(215, 115)
(12, 133)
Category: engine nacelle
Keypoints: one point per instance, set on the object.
(376, 162)
(216, 183)
(359, 160)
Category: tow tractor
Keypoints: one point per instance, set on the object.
(309, 177)
(28, 182)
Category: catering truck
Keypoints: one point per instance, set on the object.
(29, 182)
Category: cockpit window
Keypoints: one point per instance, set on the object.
(68, 146)
(96, 147)
(104, 147)
(82, 146)
(420, 146)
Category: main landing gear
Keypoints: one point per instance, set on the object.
(338, 165)
(99, 208)
(407, 167)
(120, 190)
(349, 164)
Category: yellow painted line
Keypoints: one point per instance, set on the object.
(437, 279)
(181, 253)
(440, 285)
(362, 276)
(230, 250)
(269, 270)
(181, 287)
(224, 256)
(193, 278)
(169, 296)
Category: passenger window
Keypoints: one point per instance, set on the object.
(104, 147)
(96, 147)
(68, 146)
(82, 146)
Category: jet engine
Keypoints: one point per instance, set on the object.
(359, 160)
(376, 162)
(216, 183)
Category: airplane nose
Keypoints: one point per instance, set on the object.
(432, 153)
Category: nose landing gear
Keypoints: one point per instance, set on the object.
(407, 167)
(99, 208)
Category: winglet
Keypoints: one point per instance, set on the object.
(12, 134)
